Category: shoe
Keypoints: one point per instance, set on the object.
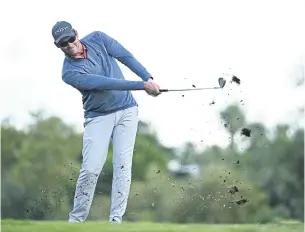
(114, 222)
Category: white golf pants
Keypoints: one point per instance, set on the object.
(121, 127)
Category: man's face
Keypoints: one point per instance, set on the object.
(70, 45)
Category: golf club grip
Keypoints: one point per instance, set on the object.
(163, 90)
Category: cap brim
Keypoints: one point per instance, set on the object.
(68, 34)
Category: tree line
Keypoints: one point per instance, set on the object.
(264, 182)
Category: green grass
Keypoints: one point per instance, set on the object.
(62, 226)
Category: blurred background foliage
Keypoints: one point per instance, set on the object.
(263, 182)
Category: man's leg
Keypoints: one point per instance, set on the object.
(123, 140)
(96, 141)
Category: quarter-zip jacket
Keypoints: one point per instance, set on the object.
(99, 78)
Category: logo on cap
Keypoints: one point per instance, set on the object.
(61, 29)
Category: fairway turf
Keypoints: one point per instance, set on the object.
(61, 226)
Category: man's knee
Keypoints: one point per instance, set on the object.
(91, 171)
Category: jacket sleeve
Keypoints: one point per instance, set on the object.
(116, 50)
(83, 81)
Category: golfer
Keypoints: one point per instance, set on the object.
(110, 112)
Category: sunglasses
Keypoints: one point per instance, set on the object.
(65, 43)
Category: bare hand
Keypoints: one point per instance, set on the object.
(152, 88)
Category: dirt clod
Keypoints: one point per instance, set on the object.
(233, 189)
(241, 201)
(236, 80)
(246, 132)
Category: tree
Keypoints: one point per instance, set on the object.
(234, 119)
(278, 168)
(40, 177)
(188, 154)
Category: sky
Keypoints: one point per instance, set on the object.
(181, 43)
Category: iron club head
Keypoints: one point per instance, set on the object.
(221, 82)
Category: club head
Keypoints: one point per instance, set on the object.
(221, 82)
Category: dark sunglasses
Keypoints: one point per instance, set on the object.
(65, 43)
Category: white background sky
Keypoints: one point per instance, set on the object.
(180, 43)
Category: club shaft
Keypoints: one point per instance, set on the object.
(170, 90)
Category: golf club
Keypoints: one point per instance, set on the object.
(221, 82)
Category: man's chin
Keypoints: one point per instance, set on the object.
(70, 53)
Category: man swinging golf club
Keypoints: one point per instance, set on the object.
(110, 112)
